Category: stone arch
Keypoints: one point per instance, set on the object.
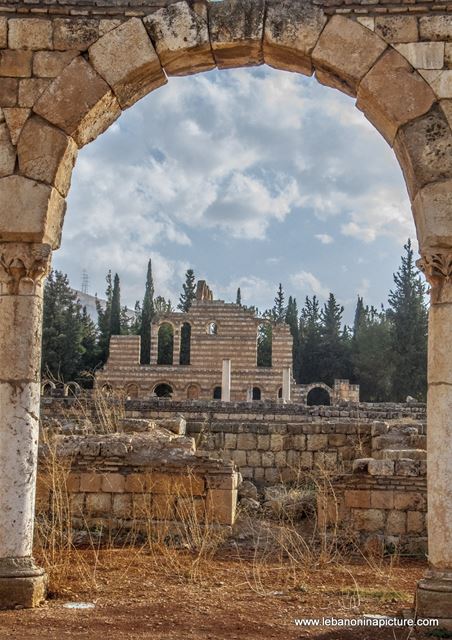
(212, 328)
(93, 84)
(47, 387)
(256, 393)
(328, 391)
(185, 344)
(193, 391)
(72, 389)
(163, 390)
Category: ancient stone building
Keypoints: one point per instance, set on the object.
(68, 68)
(211, 353)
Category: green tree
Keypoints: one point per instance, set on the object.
(104, 320)
(188, 295)
(264, 343)
(334, 353)
(409, 329)
(62, 348)
(293, 322)
(147, 316)
(90, 357)
(279, 309)
(115, 315)
(238, 299)
(162, 306)
(310, 341)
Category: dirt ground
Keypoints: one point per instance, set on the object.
(137, 595)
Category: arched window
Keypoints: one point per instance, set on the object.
(217, 393)
(280, 393)
(163, 390)
(212, 329)
(264, 345)
(256, 393)
(185, 340)
(318, 396)
(165, 344)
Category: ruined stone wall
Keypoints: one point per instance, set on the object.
(122, 482)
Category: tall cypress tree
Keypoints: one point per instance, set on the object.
(279, 309)
(409, 329)
(188, 295)
(238, 299)
(292, 321)
(310, 339)
(115, 317)
(147, 316)
(334, 343)
(104, 320)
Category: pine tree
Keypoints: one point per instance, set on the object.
(264, 342)
(360, 315)
(90, 357)
(115, 316)
(238, 299)
(279, 310)
(409, 329)
(62, 347)
(188, 295)
(334, 356)
(147, 316)
(310, 339)
(292, 321)
(162, 306)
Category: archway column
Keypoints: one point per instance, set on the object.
(434, 594)
(23, 268)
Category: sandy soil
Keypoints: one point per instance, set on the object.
(141, 596)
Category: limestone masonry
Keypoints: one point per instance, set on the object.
(67, 71)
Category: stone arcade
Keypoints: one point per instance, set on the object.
(68, 70)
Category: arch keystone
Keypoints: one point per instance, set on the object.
(79, 102)
(344, 54)
(126, 59)
(291, 33)
(380, 94)
(31, 212)
(236, 31)
(181, 38)
(47, 154)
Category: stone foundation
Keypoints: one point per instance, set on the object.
(22, 584)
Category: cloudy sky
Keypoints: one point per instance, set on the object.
(251, 177)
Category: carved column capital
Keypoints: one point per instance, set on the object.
(437, 268)
(23, 267)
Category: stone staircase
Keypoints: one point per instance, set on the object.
(401, 441)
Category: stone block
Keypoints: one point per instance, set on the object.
(280, 459)
(379, 94)
(268, 459)
(371, 520)
(361, 465)
(272, 475)
(395, 523)
(407, 467)
(190, 510)
(74, 33)
(181, 38)
(46, 154)
(221, 506)
(246, 441)
(30, 33)
(77, 504)
(15, 64)
(239, 458)
(432, 214)
(49, 64)
(440, 82)
(448, 55)
(90, 482)
(161, 483)
(337, 440)
(436, 28)
(188, 485)
(3, 33)
(79, 102)
(113, 483)
(230, 440)
(9, 89)
(276, 442)
(236, 32)
(30, 90)
(382, 499)
(142, 505)
(345, 52)
(98, 504)
(357, 498)
(122, 505)
(73, 482)
(263, 442)
(412, 500)
(381, 467)
(16, 118)
(253, 458)
(378, 428)
(106, 25)
(291, 33)
(23, 593)
(397, 28)
(415, 522)
(126, 59)
(7, 152)
(31, 211)
(316, 441)
(163, 507)
(423, 55)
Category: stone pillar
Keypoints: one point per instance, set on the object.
(176, 345)
(226, 382)
(286, 378)
(434, 593)
(23, 268)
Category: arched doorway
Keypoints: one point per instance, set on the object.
(217, 393)
(256, 393)
(318, 396)
(110, 73)
(185, 344)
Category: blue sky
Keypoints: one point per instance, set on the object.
(251, 177)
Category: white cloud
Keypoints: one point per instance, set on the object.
(324, 238)
(306, 281)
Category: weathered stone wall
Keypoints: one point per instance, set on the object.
(122, 482)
